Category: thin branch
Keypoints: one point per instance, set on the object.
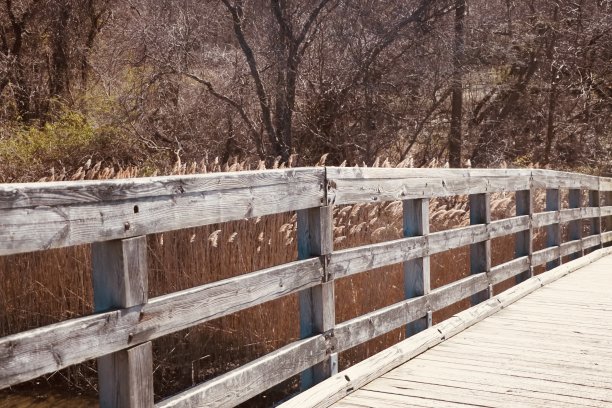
(266, 115)
(239, 108)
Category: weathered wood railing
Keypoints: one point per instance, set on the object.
(116, 216)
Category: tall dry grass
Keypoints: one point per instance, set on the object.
(49, 286)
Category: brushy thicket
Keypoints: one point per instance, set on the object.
(49, 286)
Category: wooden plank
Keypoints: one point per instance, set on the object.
(381, 321)
(571, 247)
(559, 179)
(356, 260)
(119, 273)
(480, 253)
(120, 276)
(505, 381)
(455, 394)
(593, 241)
(574, 227)
(27, 355)
(360, 259)
(570, 214)
(523, 244)
(126, 377)
(82, 213)
(348, 381)
(416, 271)
(508, 269)
(251, 379)
(317, 304)
(545, 218)
(352, 185)
(553, 232)
(605, 184)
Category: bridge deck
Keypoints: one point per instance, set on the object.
(553, 348)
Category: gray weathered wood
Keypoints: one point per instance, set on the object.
(553, 232)
(249, 380)
(119, 273)
(125, 378)
(348, 381)
(594, 202)
(480, 253)
(507, 270)
(27, 355)
(416, 271)
(366, 327)
(317, 304)
(575, 227)
(41, 216)
(524, 240)
(128, 377)
(360, 259)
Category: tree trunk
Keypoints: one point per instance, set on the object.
(552, 96)
(455, 135)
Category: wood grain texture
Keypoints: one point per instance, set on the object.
(27, 355)
(553, 232)
(126, 378)
(120, 276)
(523, 241)
(119, 273)
(357, 376)
(317, 304)
(247, 381)
(507, 270)
(366, 327)
(122, 209)
(574, 227)
(416, 271)
(480, 252)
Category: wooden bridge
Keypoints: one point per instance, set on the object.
(544, 342)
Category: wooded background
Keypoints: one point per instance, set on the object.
(147, 83)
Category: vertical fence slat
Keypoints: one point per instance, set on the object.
(553, 232)
(120, 281)
(575, 227)
(317, 307)
(595, 201)
(524, 240)
(416, 271)
(480, 253)
(606, 222)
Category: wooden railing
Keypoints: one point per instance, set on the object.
(117, 215)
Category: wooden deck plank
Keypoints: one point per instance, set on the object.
(550, 348)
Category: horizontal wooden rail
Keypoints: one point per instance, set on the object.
(39, 216)
(27, 355)
(50, 215)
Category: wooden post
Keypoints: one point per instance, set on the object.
(416, 271)
(523, 245)
(480, 252)
(120, 281)
(595, 201)
(607, 221)
(575, 227)
(553, 232)
(317, 307)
